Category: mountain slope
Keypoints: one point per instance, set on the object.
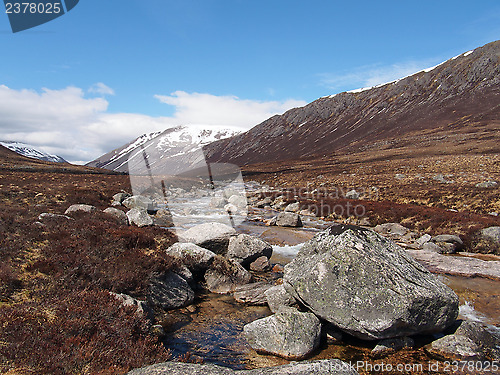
(31, 152)
(171, 143)
(461, 92)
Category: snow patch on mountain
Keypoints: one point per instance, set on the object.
(32, 152)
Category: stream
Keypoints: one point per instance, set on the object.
(211, 329)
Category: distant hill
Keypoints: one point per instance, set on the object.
(459, 95)
(32, 152)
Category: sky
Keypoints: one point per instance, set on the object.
(111, 70)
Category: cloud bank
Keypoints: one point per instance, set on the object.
(68, 123)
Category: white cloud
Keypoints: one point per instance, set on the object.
(210, 109)
(66, 123)
(368, 76)
(101, 88)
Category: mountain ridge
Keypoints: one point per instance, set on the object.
(459, 92)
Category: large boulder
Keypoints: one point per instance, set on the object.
(225, 275)
(245, 249)
(137, 201)
(169, 291)
(139, 217)
(288, 334)
(196, 258)
(368, 286)
(488, 241)
(211, 236)
(278, 298)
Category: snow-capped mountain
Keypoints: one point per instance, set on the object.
(180, 141)
(32, 152)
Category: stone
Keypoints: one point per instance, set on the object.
(225, 275)
(261, 264)
(80, 208)
(423, 239)
(399, 176)
(487, 184)
(486, 337)
(218, 202)
(449, 242)
(278, 298)
(120, 197)
(118, 215)
(141, 307)
(488, 241)
(211, 236)
(139, 217)
(264, 202)
(433, 247)
(454, 347)
(323, 367)
(239, 201)
(368, 286)
(163, 218)
(252, 294)
(137, 201)
(293, 207)
(195, 257)
(391, 229)
(184, 272)
(169, 291)
(287, 334)
(49, 216)
(245, 249)
(387, 346)
(288, 219)
(352, 194)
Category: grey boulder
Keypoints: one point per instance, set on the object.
(80, 208)
(278, 298)
(488, 241)
(169, 291)
(245, 249)
(287, 334)
(139, 217)
(368, 286)
(287, 219)
(137, 201)
(225, 275)
(212, 236)
(196, 258)
(118, 215)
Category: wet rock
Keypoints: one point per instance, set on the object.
(454, 347)
(211, 236)
(488, 241)
(245, 249)
(80, 208)
(287, 334)
(278, 298)
(288, 219)
(196, 258)
(137, 201)
(252, 294)
(388, 346)
(49, 216)
(368, 286)
(169, 291)
(487, 184)
(118, 215)
(293, 207)
(261, 264)
(139, 217)
(225, 275)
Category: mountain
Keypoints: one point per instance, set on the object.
(31, 152)
(173, 143)
(461, 93)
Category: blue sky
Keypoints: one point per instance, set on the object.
(110, 70)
